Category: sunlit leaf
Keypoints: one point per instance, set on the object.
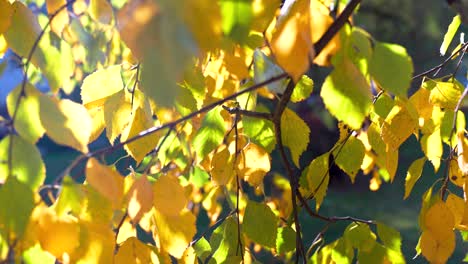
(303, 89)
(133, 251)
(349, 156)
(435, 249)
(457, 207)
(254, 164)
(451, 31)
(317, 175)
(293, 128)
(105, 180)
(360, 236)
(117, 115)
(168, 196)
(222, 166)
(398, 126)
(390, 237)
(343, 252)
(37, 255)
(175, 232)
(70, 198)
(30, 171)
(66, 122)
(207, 29)
(462, 152)
(14, 215)
(291, 41)
(260, 131)
(383, 105)
(224, 239)
(260, 224)
(210, 134)
(446, 94)
(432, 148)
(265, 69)
(456, 175)
(346, 94)
(61, 19)
(140, 198)
(392, 68)
(6, 11)
(236, 16)
(101, 10)
(98, 86)
(439, 220)
(202, 248)
(139, 123)
(413, 175)
(97, 244)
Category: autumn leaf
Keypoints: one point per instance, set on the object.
(253, 164)
(105, 180)
(293, 128)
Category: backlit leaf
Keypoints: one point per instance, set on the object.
(294, 134)
(210, 134)
(97, 121)
(360, 236)
(236, 16)
(413, 175)
(202, 248)
(383, 105)
(451, 31)
(317, 175)
(117, 115)
(254, 165)
(346, 94)
(456, 175)
(98, 86)
(263, 13)
(265, 69)
(439, 220)
(37, 255)
(175, 231)
(446, 94)
(260, 224)
(70, 198)
(260, 131)
(169, 196)
(432, 148)
(105, 180)
(133, 251)
(6, 11)
(101, 10)
(222, 166)
(349, 156)
(390, 237)
(97, 244)
(437, 250)
(398, 126)
(14, 215)
(457, 207)
(462, 152)
(343, 252)
(140, 198)
(303, 89)
(61, 19)
(291, 41)
(224, 239)
(207, 29)
(139, 123)
(392, 68)
(66, 122)
(30, 170)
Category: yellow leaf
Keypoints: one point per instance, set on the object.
(189, 257)
(420, 100)
(254, 164)
(61, 19)
(27, 122)
(462, 152)
(291, 41)
(140, 198)
(133, 251)
(97, 243)
(175, 232)
(294, 134)
(263, 13)
(101, 84)
(457, 206)
(391, 163)
(204, 19)
(101, 10)
(317, 174)
(57, 235)
(222, 166)
(106, 181)
(126, 231)
(169, 196)
(6, 11)
(97, 119)
(456, 175)
(66, 122)
(398, 126)
(413, 175)
(439, 220)
(139, 148)
(432, 147)
(437, 250)
(446, 94)
(117, 115)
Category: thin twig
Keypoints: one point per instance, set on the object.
(237, 110)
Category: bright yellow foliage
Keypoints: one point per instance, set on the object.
(169, 196)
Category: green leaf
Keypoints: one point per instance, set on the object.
(349, 156)
(27, 165)
(346, 94)
(383, 105)
(227, 240)
(264, 69)
(210, 134)
(390, 237)
(15, 211)
(199, 177)
(236, 16)
(260, 131)
(392, 68)
(413, 175)
(451, 31)
(294, 134)
(359, 49)
(27, 122)
(343, 252)
(375, 255)
(36, 254)
(286, 240)
(317, 175)
(260, 224)
(202, 249)
(303, 89)
(360, 236)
